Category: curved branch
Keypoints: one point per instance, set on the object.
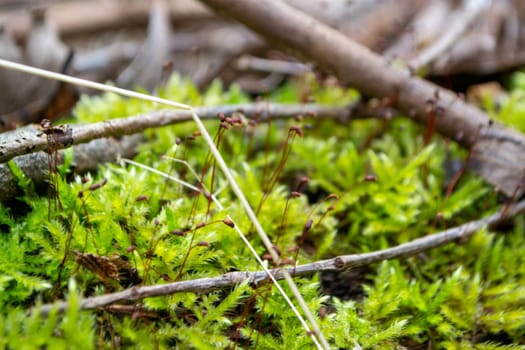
(204, 285)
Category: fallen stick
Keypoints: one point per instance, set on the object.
(497, 152)
(20, 142)
(86, 157)
(93, 143)
(231, 279)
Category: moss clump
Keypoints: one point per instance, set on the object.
(372, 184)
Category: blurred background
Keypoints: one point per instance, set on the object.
(465, 45)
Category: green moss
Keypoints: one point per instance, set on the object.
(389, 188)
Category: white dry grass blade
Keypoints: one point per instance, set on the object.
(316, 334)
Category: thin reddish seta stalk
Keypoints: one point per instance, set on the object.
(248, 305)
(185, 259)
(267, 147)
(193, 211)
(514, 197)
(286, 149)
(218, 140)
(88, 222)
(170, 170)
(52, 162)
(259, 318)
(91, 189)
(304, 234)
(67, 248)
(186, 154)
(309, 226)
(69, 236)
(296, 193)
(191, 246)
(89, 226)
(455, 179)
(325, 213)
(325, 199)
(432, 109)
(149, 252)
(250, 134)
(284, 219)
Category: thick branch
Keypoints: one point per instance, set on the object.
(498, 152)
(204, 285)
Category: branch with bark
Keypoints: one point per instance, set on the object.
(20, 142)
(231, 279)
(96, 143)
(497, 152)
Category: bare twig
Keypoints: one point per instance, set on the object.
(204, 285)
(21, 142)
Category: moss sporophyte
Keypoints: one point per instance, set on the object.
(334, 191)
